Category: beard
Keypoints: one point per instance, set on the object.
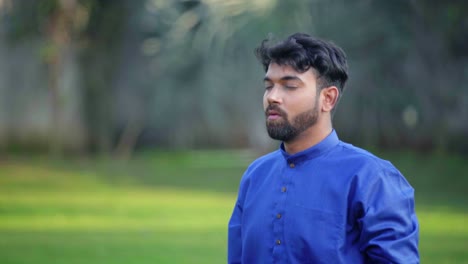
(285, 130)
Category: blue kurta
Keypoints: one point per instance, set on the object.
(331, 203)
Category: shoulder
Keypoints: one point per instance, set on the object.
(261, 164)
(257, 170)
(362, 158)
(372, 172)
(265, 160)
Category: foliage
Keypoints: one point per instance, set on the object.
(181, 74)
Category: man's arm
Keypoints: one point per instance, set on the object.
(389, 227)
(235, 224)
(235, 236)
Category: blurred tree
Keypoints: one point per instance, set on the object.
(59, 24)
(440, 71)
(181, 74)
(81, 39)
(101, 57)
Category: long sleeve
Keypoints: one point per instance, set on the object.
(389, 227)
(235, 236)
(235, 225)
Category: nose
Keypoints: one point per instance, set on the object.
(273, 95)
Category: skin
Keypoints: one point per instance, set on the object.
(295, 93)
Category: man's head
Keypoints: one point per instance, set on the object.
(304, 80)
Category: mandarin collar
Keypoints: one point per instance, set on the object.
(318, 149)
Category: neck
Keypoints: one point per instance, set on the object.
(309, 138)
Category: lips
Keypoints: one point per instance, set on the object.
(273, 113)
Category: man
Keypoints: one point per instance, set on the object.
(317, 199)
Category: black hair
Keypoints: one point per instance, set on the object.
(302, 52)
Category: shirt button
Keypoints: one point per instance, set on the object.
(291, 165)
(278, 216)
(283, 189)
(278, 242)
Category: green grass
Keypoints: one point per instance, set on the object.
(174, 208)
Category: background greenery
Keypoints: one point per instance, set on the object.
(174, 207)
(108, 107)
(111, 76)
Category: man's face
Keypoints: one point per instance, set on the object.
(290, 101)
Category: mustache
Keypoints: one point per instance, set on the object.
(276, 109)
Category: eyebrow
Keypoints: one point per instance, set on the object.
(284, 78)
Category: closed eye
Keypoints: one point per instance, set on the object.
(289, 87)
(268, 85)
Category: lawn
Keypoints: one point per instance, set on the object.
(174, 207)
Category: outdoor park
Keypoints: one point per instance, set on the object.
(174, 208)
(126, 126)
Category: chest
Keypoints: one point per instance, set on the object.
(302, 210)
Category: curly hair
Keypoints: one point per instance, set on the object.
(302, 52)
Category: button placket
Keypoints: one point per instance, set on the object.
(278, 216)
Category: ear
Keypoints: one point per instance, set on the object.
(329, 98)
